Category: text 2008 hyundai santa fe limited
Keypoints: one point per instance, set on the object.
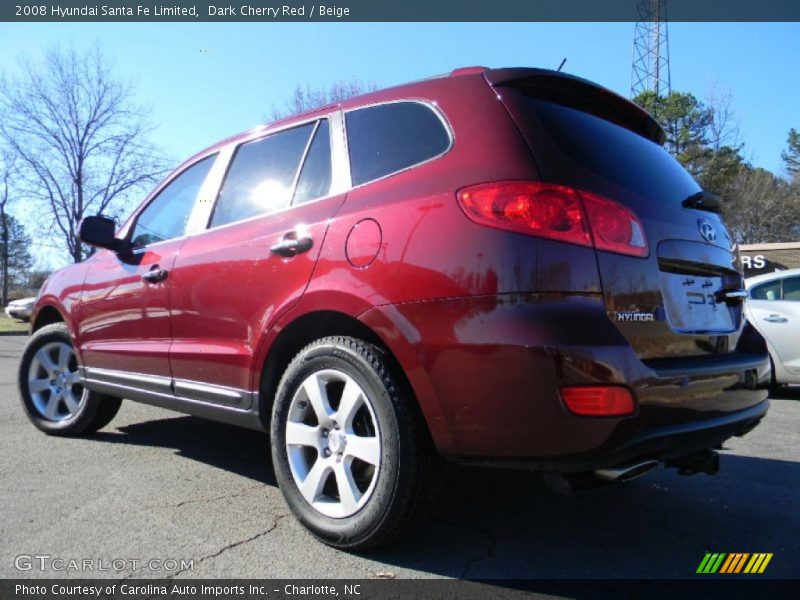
(501, 266)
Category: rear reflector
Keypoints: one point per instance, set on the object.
(556, 212)
(598, 401)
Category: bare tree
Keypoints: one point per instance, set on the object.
(7, 172)
(307, 98)
(723, 126)
(762, 208)
(79, 137)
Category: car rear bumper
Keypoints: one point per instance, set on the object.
(495, 366)
(662, 444)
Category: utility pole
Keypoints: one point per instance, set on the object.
(650, 70)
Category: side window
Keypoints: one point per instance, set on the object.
(168, 213)
(261, 177)
(391, 137)
(791, 289)
(315, 177)
(767, 291)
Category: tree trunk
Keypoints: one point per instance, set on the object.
(4, 235)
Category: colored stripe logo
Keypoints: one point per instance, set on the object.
(734, 562)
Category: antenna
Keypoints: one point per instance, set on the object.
(558, 70)
(651, 49)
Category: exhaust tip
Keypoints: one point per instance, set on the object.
(626, 472)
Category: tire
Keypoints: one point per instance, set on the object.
(51, 395)
(773, 382)
(378, 449)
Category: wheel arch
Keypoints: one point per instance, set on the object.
(311, 326)
(46, 315)
(296, 335)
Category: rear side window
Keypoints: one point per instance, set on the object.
(261, 177)
(388, 138)
(603, 150)
(791, 289)
(315, 176)
(767, 291)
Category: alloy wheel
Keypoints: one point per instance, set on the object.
(54, 382)
(333, 443)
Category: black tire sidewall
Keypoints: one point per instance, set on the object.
(360, 526)
(78, 423)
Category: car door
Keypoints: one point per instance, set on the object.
(124, 327)
(255, 259)
(774, 310)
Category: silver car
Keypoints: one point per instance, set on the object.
(20, 309)
(773, 307)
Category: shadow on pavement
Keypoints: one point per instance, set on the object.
(507, 524)
(234, 449)
(786, 392)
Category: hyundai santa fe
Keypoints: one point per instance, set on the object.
(495, 266)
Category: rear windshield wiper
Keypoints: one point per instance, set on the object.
(703, 201)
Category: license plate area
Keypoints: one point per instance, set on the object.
(690, 304)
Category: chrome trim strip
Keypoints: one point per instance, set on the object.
(179, 389)
(340, 159)
(245, 416)
(207, 196)
(153, 383)
(216, 394)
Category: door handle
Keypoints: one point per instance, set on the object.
(776, 319)
(155, 275)
(291, 245)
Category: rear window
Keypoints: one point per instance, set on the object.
(388, 138)
(602, 150)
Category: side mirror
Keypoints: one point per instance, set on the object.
(99, 231)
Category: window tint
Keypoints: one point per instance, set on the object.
(166, 216)
(261, 176)
(315, 177)
(767, 291)
(791, 289)
(604, 149)
(391, 137)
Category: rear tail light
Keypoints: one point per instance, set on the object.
(598, 401)
(556, 212)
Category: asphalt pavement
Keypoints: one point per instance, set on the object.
(200, 499)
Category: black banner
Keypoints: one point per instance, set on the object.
(258, 589)
(403, 11)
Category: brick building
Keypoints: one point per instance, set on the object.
(758, 259)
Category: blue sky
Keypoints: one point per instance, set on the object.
(208, 81)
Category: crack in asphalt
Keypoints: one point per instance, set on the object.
(232, 545)
(240, 493)
(491, 544)
(206, 500)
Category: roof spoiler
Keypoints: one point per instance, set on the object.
(581, 94)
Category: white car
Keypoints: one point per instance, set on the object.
(20, 309)
(773, 308)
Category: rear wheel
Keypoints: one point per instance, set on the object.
(50, 388)
(773, 382)
(351, 455)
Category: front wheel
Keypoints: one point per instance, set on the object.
(51, 390)
(350, 452)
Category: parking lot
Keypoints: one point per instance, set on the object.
(159, 485)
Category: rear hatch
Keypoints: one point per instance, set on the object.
(671, 301)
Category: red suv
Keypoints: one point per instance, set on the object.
(501, 266)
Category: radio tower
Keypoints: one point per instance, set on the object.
(651, 49)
